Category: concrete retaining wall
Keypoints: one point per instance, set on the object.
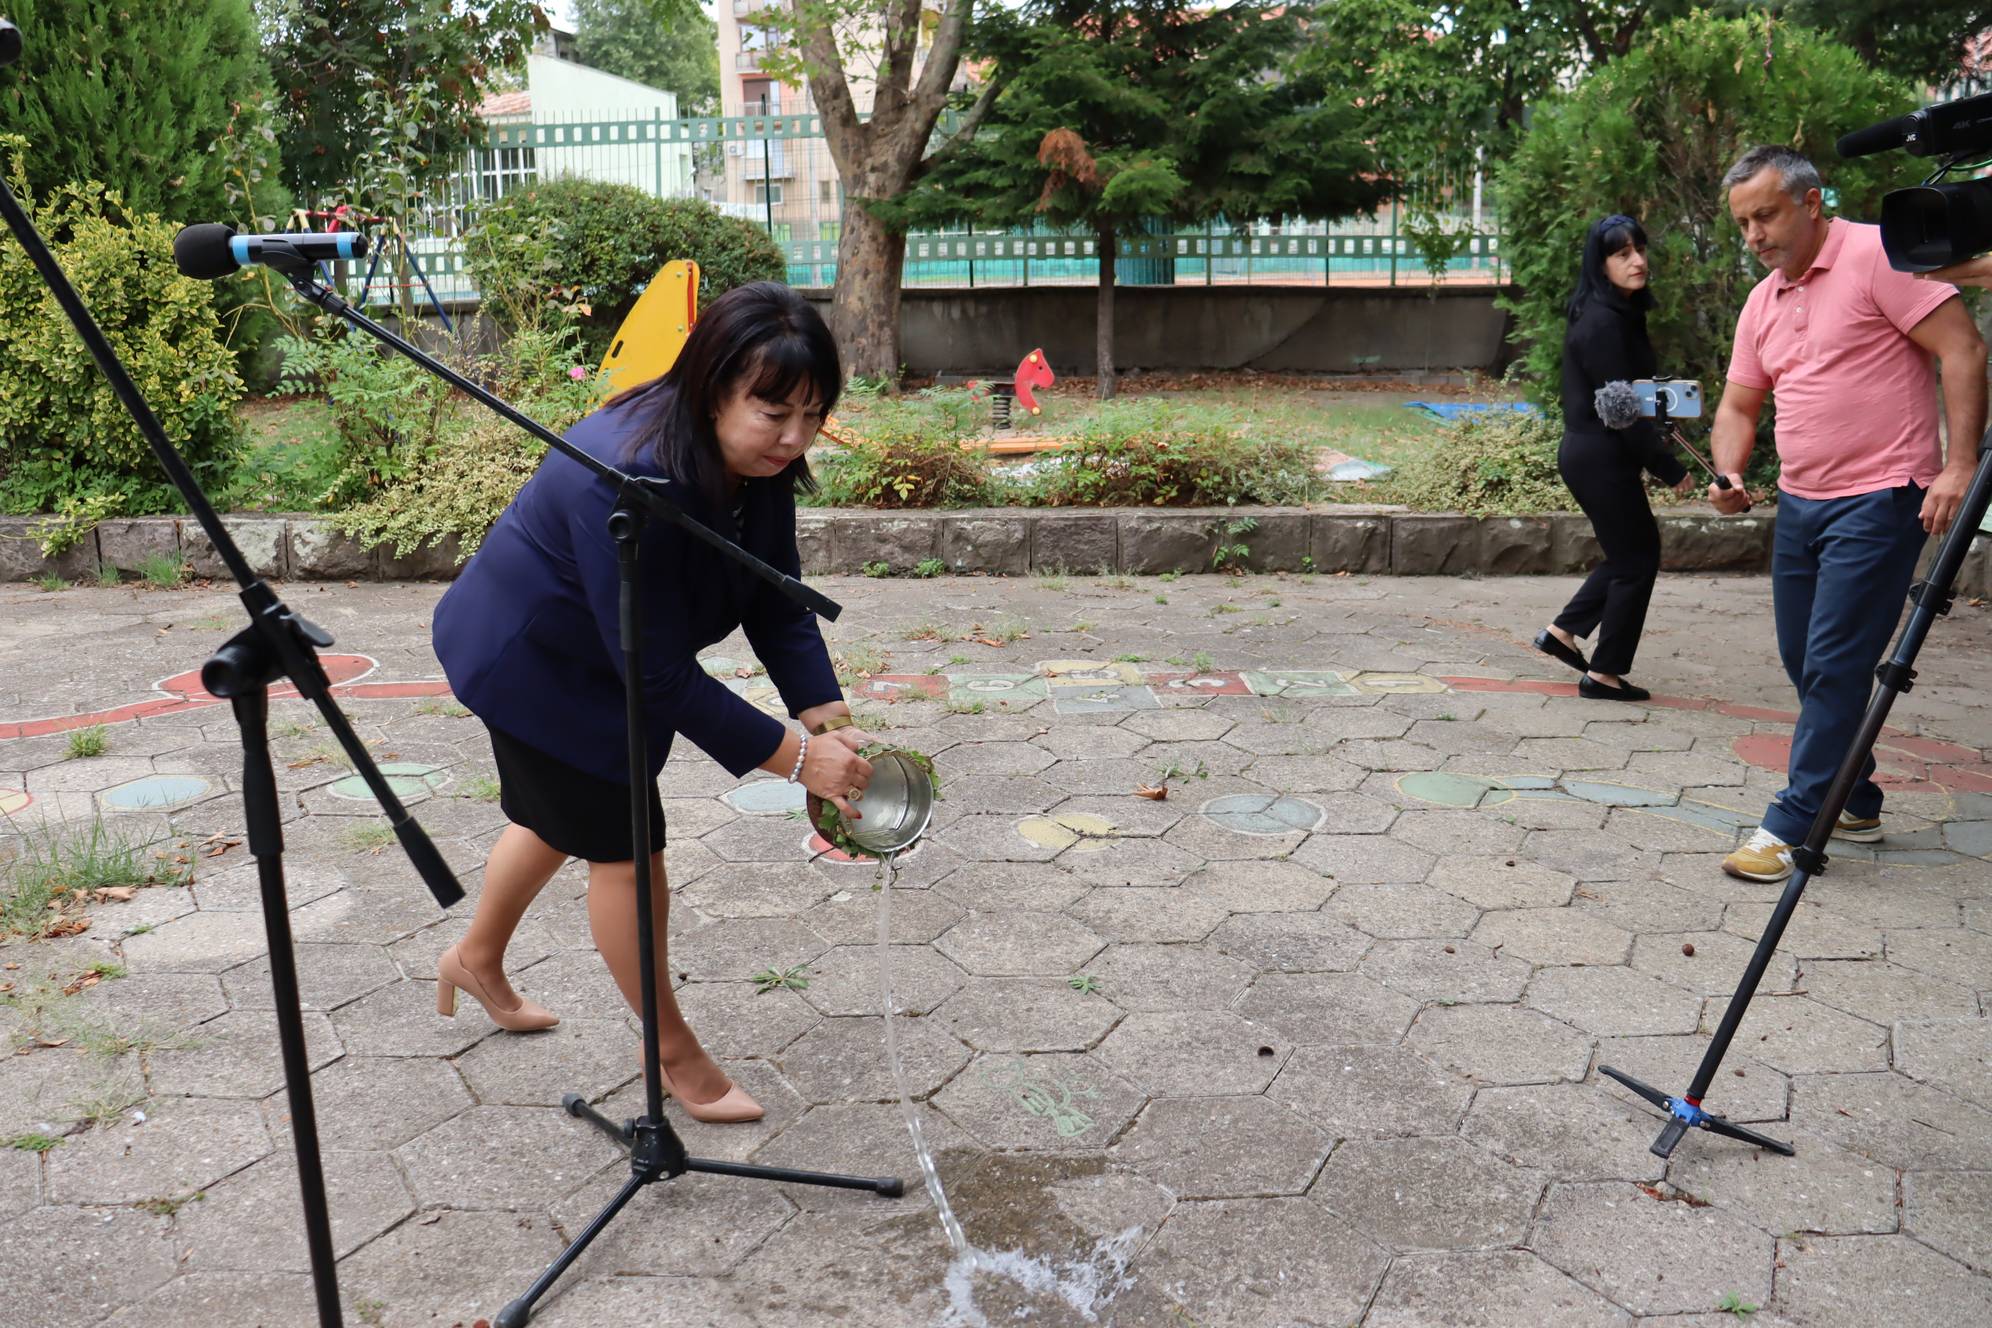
(1382, 541)
(1274, 329)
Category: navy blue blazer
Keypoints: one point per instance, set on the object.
(527, 635)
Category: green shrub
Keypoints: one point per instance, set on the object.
(907, 452)
(457, 483)
(384, 407)
(1651, 134)
(1492, 464)
(589, 247)
(63, 434)
(1155, 453)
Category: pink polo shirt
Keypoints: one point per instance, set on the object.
(1856, 398)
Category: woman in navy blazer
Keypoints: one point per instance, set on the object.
(528, 639)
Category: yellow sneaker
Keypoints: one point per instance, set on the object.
(1765, 858)
(1859, 829)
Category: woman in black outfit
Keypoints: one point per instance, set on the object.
(1607, 343)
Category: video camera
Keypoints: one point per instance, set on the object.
(1938, 222)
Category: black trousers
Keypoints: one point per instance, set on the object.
(1605, 478)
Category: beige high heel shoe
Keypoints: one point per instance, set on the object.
(526, 1017)
(732, 1107)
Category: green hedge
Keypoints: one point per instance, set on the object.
(590, 247)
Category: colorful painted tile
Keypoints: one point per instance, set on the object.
(13, 800)
(1007, 688)
(1297, 682)
(1398, 684)
(155, 791)
(408, 779)
(767, 797)
(1619, 795)
(1081, 832)
(1089, 673)
(1200, 684)
(902, 687)
(1447, 790)
(1111, 700)
(1263, 813)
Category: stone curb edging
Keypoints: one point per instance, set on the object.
(1380, 541)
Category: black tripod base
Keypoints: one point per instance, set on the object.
(656, 1154)
(1683, 1115)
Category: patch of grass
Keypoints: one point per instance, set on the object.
(878, 569)
(108, 576)
(1051, 581)
(55, 869)
(108, 1102)
(1161, 599)
(1177, 770)
(1082, 626)
(167, 1206)
(1119, 582)
(856, 663)
(1007, 630)
(1732, 1303)
(1225, 608)
(929, 631)
(481, 789)
(212, 623)
(447, 709)
(85, 743)
(958, 659)
(1084, 983)
(50, 582)
(781, 979)
(292, 728)
(371, 1312)
(372, 838)
(140, 929)
(163, 571)
(1130, 659)
(103, 968)
(1202, 662)
(966, 707)
(927, 567)
(1170, 576)
(33, 1142)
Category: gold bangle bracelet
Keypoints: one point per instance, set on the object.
(835, 722)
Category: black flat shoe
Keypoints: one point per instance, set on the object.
(1592, 690)
(1547, 643)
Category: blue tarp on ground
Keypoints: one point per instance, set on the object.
(1457, 410)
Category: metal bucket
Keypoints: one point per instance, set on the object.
(896, 807)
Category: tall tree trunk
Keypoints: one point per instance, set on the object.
(1104, 318)
(864, 305)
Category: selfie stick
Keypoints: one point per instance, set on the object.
(1673, 430)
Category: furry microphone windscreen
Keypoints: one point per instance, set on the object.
(1618, 404)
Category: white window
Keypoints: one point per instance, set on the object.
(768, 193)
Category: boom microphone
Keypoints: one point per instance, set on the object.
(209, 249)
(1939, 129)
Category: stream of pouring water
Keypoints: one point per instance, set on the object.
(1084, 1284)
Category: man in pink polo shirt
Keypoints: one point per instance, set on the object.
(1845, 343)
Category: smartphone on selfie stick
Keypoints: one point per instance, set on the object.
(1670, 399)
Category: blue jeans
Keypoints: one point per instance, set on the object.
(1840, 573)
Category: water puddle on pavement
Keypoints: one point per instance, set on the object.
(1084, 1284)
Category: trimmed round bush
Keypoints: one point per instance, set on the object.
(590, 247)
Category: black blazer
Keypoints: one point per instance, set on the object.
(1605, 343)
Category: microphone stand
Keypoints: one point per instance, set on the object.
(1932, 598)
(278, 643)
(656, 1152)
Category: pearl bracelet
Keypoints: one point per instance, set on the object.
(800, 757)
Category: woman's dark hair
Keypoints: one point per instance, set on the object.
(1607, 236)
(762, 337)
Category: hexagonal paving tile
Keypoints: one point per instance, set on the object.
(1876, 1279)
(1019, 944)
(1571, 1131)
(1955, 1055)
(183, 1145)
(1285, 1261)
(450, 1266)
(739, 1019)
(741, 947)
(1800, 1036)
(1028, 1014)
(1894, 1120)
(1501, 1044)
(367, 1103)
(1824, 1189)
(1292, 943)
(844, 1060)
(690, 1226)
(503, 1157)
(1169, 977)
(845, 980)
(1224, 1147)
(1446, 972)
(75, 1265)
(864, 1139)
(1947, 1210)
(1554, 936)
(850, 916)
(1055, 1102)
(251, 1222)
(401, 1020)
(1373, 858)
(1429, 1193)
(1401, 911)
(1331, 1009)
(1613, 1002)
(1260, 887)
(1151, 915)
(585, 1056)
(1371, 1092)
(1632, 1246)
(1194, 1054)
(328, 976)
(236, 1055)
(1482, 1290)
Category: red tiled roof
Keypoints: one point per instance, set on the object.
(502, 104)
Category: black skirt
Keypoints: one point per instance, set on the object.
(581, 815)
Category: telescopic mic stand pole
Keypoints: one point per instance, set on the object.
(1932, 598)
(656, 1151)
(278, 643)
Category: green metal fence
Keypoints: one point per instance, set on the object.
(776, 171)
